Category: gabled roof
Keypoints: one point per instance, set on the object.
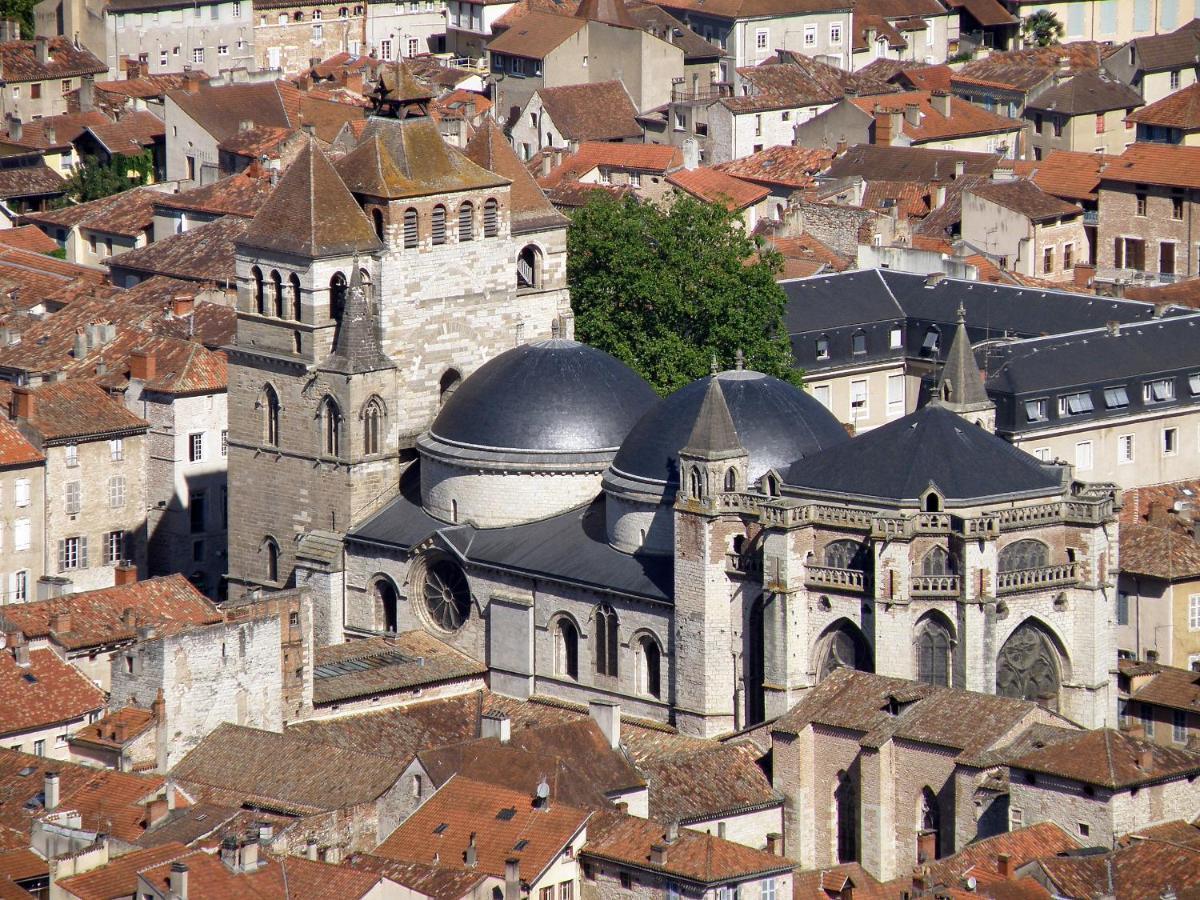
(1021, 846)
(1159, 52)
(965, 118)
(875, 161)
(15, 450)
(898, 461)
(131, 134)
(1157, 862)
(784, 165)
(47, 692)
(1023, 70)
(610, 12)
(1025, 197)
(536, 35)
(1090, 91)
(657, 21)
(1159, 552)
(712, 186)
(382, 665)
(54, 131)
(1171, 165)
(242, 194)
(221, 110)
(128, 213)
(311, 213)
(276, 878)
(499, 819)
(204, 253)
(1071, 174)
(28, 237)
(430, 881)
(749, 9)
(528, 208)
(600, 111)
(795, 80)
(79, 409)
(19, 61)
(1111, 759)
(705, 783)
(118, 878)
(1178, 110)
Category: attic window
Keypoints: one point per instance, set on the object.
(506, 815)
(1194, 383)
(1035, 410)
(1116, 398)
(27, 771)
(1075, 404)
(520, 845)
(30, 678)
(441, 829)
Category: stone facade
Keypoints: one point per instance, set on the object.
(287, 37)
(22, 519)
(211, 35)
(1146, 231)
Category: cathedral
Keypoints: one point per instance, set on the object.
(416, 438)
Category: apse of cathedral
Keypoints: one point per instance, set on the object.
(418, 440)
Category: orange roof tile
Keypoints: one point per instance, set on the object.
(1178, 110)
(1070, 173)
(274, 879)
(80, 409)
(46, 692)
(1171, 165)
(501, 820)
(716, 187)
(965, 119)
(119, 877)
(781, 165)
(117, 728)
(1110, 759)
(14, 449)
(28, 237)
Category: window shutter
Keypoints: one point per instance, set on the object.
(83, 559)
(62, 556)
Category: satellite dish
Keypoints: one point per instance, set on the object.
(971, 883)
(543, 790)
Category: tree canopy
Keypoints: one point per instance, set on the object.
(92, 179)
(19, 11)
(1042, 29)
(668, 289)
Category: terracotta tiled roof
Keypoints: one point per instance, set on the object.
(912, 197)
(1162, 164)
(108, 801)
(1021, 846)
(529, 210)
(193, 824)
(203, 253)
(1023, 70)
(285, 772)
(748, 9)
(131, 134)
(147, 87)
(890, 163)
(823, 884)
(807, 248)
(694, 856)
(19, 61)
(1026, 198)
(129, 213)
(116, 729)
(80, 409)
(1110, 759)
(257, 141)
(460, 104)
(1090, 91)
(660, 23)
(49, 691)
(429, 881)
(1071, 174)
(573, 194)
(987, 13)
(30, 181)
(386, 664)
(926, 78)
(54, 131)
(1181, 293)
(22, 864)
(783, 165)
(716, 187)
(535, 35)
(274, 879)
(1164, 686)
(796, 80)
(869, 28)
(119, 877)
(1149, 867)
(15, 450)
(499, 819)
(965, 119)
(1178, 110)
(242, 194)
(656, 158)
(222, 110)
(719, 780)
(28, 237)
(1159, 52)
(98, 618)
(1159, 552)
(591, 112)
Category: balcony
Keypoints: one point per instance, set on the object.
(1038, 579)
(1091, 217)
(749, 564)
(935, 585)
(829, 577)
(713, 91)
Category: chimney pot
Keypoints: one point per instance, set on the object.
(179, 880)
(142, 365)
(24, 403)
(50, 791)
(940, 101)
(182, 305)
(658, 854)
(607, 715)
(1003, 866)
(960, 168)
(512, 879)
(125, 574)
(60, 622)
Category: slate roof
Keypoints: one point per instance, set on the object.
(19, 62)
(693, 856)
(284, 772)
(932, 446)
(878, 162)
(1171, 165)
(97, 617)
(498, 818)
(536, 35)
(381, 665)
(529, 210)
(311, 213)
(1178, 110)
(203, 253)
(713, 186)
(783, 165)
(47, 692)
(1110, 759)
(81, 410)
(1025, 197)
(128, 213)
(1090, 91)
(602, 111)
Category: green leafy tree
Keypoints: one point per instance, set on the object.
(19, 11)
(667, 290)
(93, 179)
(1042, 29)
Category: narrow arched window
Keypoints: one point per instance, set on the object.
(438, 225)
(491, 218)
(331, 427)
(260, 299)
(466, 222)
(337, 296)
(694, 482)
(529, 268)
(566, 650)
(933, 649)
(297, 305)
(606, 641)
(411, 234)
(271, 569)
(731, 479)
(372, 426)
(448, 385)
(386, 604)
(269, 406)
(650, 667)
(377, 221)
(277, 293)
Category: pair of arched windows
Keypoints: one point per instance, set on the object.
(272, 298)
(331, 423)
(607, 645)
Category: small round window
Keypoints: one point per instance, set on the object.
(447, 594)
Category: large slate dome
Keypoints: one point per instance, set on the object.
(555, 396)
(776, 422)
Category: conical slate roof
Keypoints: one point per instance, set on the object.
(610, 12)
(960, 386)
(311, 213)
(358, 346)
(713, 434)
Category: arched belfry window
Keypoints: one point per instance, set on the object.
(491, 218)
(270, 549)
(372, 426)
(277, 294)
(731, 479)
(337, 297)
(606, 643)
(260, 298)
(297, 304)
(566, 649)
(268, 404)
(529, 268)
(331, 427)
(695, 482)
(377, 221)
(466, 222)
(649, 660)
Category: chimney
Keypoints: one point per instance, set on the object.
(50, 791)
(23, 403)
(49, 135)
(918, 878)
(1084, 274)
(933, 279)
(1145, 759)
(841, 147)
(1003, 866)
(960, 168)
(158, 708)
(470, 857)
(912, 114)
(192, 85)
(495, 725)
(15, 128)
(21, 653)
(80, 347)
(1159, 513)
(310, 849)
(883, 128)
(179, 880)
(156, 811)
(60, 622)
(658, 854)
(775, 843)
(672, 834)
(266, 832)
(939, 195)
(182, 305)
(608, 716)
(42, 47)
(940, 101)
(691, 153)
(512, 879)
(142, 365)
(87, 93)
(125, 574)
(544, 165)
(248, 857)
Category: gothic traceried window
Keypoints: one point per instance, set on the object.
(606, 641)
(843, 647)
(269, 406)
(845, 555)
(1025, 554)
(933, 646)
(1028, 666)
(938, 562)
(372, 425)
(447, 594)
(331, 427)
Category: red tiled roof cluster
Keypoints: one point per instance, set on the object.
(712, 186)
(46, 692)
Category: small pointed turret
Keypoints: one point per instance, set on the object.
(358, 347)
(714, 435)
(960, 386)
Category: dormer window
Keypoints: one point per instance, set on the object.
(858, 343)
(933, 341)
(823, 347)
(1116, 397)
(1075, 404)
(1035, 410)
(1159, 391)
